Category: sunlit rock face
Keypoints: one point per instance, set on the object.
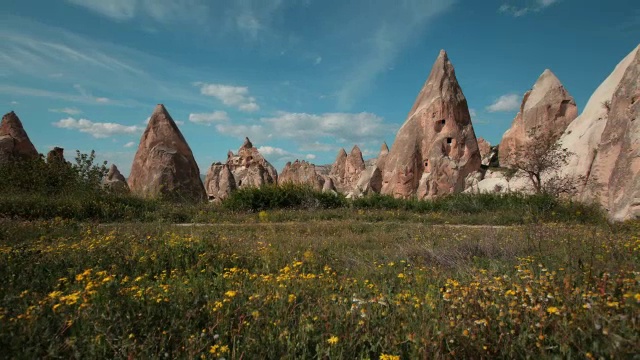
(14, 141)
(436, 148)
(164, 165)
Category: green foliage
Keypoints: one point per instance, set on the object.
(286, 196)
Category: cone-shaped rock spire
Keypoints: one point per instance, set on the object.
(436, 148)
(14, 141)
(164, 164)
(546, 109)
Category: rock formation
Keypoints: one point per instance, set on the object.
(56, 156)
(301, 173)
(436, 148)
(219, 183)
(114, 180)
(329, 186)
(546, 109)
(371, 178)
(164, 164)
(346, 170)
(615, 174)
(583, 135)
(248, 168)
(14, 141)
(484, 147)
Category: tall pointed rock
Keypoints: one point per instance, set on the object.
(14, 141)
(547, 108)
(615, 174)
(164, 164)
(436, 148)
(584, 134)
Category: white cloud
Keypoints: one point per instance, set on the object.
(318, 60)
(68, 111)
(129, 144)
(517, 11)
(509, 102)
(96, 129)
(276, 154)
(317, 146)
(237, 96)
(472, 112)
(14, 103)
(209, 118)
(102, 100)
(305, 128)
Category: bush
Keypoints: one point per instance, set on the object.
(287, 196)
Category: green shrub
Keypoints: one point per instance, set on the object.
(287, 196)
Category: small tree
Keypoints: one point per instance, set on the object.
(90, 175)
(539, 159)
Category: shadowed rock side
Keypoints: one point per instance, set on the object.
(548, 108)
(615, 175)
(164, 164)
(114, 180)
(14, 141)
(250, 168)
(56, 156)
(583, 135)
(301, 173)
(219, 183)
(436, 148)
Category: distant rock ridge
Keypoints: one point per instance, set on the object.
(14, 141)
(547, 108)
(301, 173)
(436, 147)
(164, 165)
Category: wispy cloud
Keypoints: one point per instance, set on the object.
(508, 102)
(237, 96)
(97, 129)
(517, 11)
(68, 111)
(162, 11)
(129, 144)
(387, 28)
(209, 118)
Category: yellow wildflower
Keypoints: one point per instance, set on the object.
(332, 340)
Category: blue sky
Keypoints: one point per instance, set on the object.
(301, 78)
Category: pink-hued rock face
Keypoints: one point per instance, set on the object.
(14, 141)
(346, 170)
(219, 183)
(615, 173)
(115, 180)
(164, 164)
(250, 168)
(436, 148)
(548, 108)
(484, 147)
(301, 173)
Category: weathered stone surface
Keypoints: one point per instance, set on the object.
(615, 174)
(14, 141)
(164, 164)
(114, 180)
(301, 173)
(436, 148)
(484, 147)
(247, 168)
(219, 182)
(547, 108)
(346, 170)
(329, 186)
(371, 178)
(584, 134)
(56, 155)
(250, 168)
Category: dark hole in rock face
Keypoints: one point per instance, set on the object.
(438, 125)
(239, 182)
(449, 140)
(563, 107)
(211, 197)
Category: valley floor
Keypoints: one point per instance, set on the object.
(293, 288)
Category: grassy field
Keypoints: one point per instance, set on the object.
(346, 283)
